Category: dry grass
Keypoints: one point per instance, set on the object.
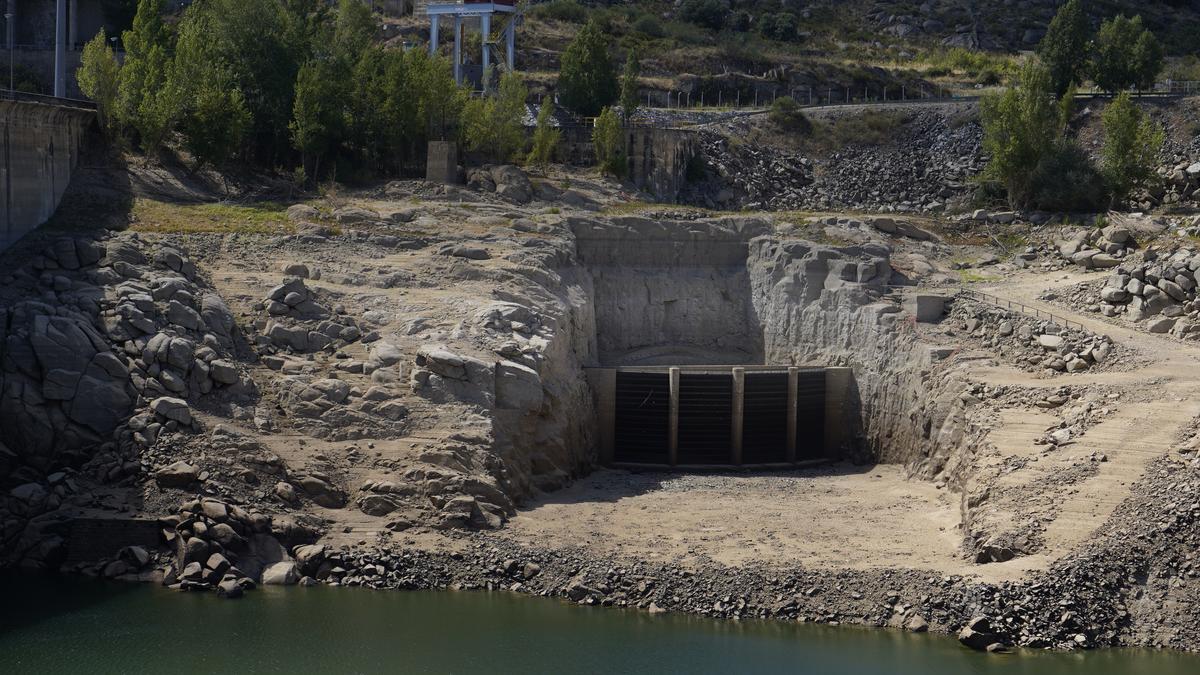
(172, 218)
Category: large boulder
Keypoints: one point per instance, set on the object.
(512, 183)
(282, 573)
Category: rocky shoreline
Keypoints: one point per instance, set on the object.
(1094, 598)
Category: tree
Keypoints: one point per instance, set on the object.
(608, 138)
(1147, 60)
(495, 126)
(1064, 49)
(1126, 55)
(216, 123)
(629, 86)
(317, 119)
(586, 81)
(1131, 145)
(545, 136)
(140, 104)
(99, 79)
(1020, 126)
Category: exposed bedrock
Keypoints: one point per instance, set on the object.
(819, 305)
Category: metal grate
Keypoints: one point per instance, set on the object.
(705, 418)
(642, 409)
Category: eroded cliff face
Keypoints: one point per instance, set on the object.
(821, 305)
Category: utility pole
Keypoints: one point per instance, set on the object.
(8, 18)
(60, 49)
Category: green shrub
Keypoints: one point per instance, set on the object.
(567, 11)
(707, 13)
(649, 25)
(787, 115)
(1066, 179)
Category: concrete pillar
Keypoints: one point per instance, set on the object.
(739, 394)
(485, 36)
(604, 391)
(673, 418)
(792, 402)
(837, 388)
(433, 34)
(457, 49)
(60, 48)
(10, 25)
(73, 23)
(510, 43)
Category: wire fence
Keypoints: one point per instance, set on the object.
(1022, 308)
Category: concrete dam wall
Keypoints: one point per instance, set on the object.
(39, 149)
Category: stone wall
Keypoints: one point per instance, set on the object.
(39, 149)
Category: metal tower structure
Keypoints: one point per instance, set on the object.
(485, 13)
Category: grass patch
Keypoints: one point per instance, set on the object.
(150, 215)
(975, 277)
(870, 127)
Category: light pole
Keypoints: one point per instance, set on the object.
(8, 17)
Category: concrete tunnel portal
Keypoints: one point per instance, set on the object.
(718, 416)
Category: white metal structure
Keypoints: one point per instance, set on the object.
(466, 11)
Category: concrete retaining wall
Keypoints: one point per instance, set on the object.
(39, 148)
(658, 158)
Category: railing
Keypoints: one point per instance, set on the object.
(1022, 308)
(30, 97)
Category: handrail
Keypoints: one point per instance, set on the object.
(1022, 308)
(31, 97)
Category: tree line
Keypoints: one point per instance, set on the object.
(281, 83)
(1033, 160)
(1121, 55)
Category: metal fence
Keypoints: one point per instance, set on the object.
(1019, 307)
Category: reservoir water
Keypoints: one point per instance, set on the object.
(72, 625)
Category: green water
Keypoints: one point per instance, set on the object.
(68, 625)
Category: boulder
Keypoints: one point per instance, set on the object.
(978, 635)
(170, 408)
(282, 573)
(177, 475)
(303, 212)
(512, 183)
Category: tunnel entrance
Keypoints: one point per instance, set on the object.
(715, 415)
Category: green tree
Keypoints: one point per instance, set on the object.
(1020, 126)
(495, 125)
(99, 79)
(141, 104)
(317, 121)
(216, 122)
(608, 139)
(1131, 145)
(1147, 59)
(586, 81)
(1126, 55)
(1064, 49)
(545, 136)
(629, 85)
